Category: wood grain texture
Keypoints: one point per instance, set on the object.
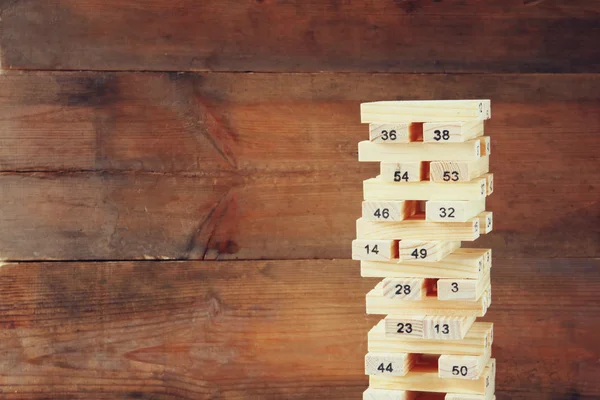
(315, 35)
(185, 166)
(265, 329)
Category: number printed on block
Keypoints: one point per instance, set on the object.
(389, 133)
(392, 364)
(388, 210)
(453, 210)
(402, 172)
(427, 251)
(404, 288)
(374, 250)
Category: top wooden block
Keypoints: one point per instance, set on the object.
(425, 111)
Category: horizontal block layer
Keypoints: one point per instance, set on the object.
(418, 228)
(389, 364)
(453, 210)
(377, 189)
(377, 303)
(458, 171)
(395, 133)
(389, 210)
(425, 111)
(451, 132)
(419, 151)
(440, 327)
(462, 367)
(477, 341)
(462, 263)
(425, 378)
(375, 250)
(462, 289)
(427, 251)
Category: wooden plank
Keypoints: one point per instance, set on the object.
(395, 133)
(403, 171)
(389, 364)
(384, 394)
(377, 189)
(378, 304)
(462, 367)
(375, 250)
(311, 36)
(456, 131)
(453, 210)
(155, 328)
(417, 228)
(426, 251)
(486, 221)
(462, 289)
(419, 151)
(425, 111)
(424, 378)
(459, 171)
(404, 288)
(462, 263)
(391, 210)
(489, 183)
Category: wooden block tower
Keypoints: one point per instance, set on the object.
(429, 197)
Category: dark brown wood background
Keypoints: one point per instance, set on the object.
(141, 141)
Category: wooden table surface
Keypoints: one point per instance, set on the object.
(179, 186)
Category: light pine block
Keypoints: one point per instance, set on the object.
(463, 263)
(402, 172)
(459, 171)
(404, 288)
(387, 394)
(377, 189)
(477, 341)
(374, 249)
(425, 378)
(419, 151)
(378, 304)
(426, 251)
(395, 133)
(486, 145)
(489, 183)
(462, 289)
(389, 210)
(389, 364)
(425, 111)
(404, 325)
(444, 327)
(451, 132)
(417, 228)
(462, 367)
(453, 210)
(486, 221)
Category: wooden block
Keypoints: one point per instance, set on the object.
(395, 133)
(377, 189)
(463, 367)
(404, 325)
(419, 151)
(453, 210)
(374, 249)
(378, 304)
(400, 172)
(458, 171)
(463, 263)
(443, 327)
(486, 145)
(416, 227)
(388, 394)
(451, 132)
(390, 364)
(426, 251)
(489, 183)
(462, 289)
(425, 378)
(485, 222)
(390, 210)
(477, 341)
(404, 288)
(486, 256)
(425, 111)
(459, 396)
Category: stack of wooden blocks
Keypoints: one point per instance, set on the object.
(429, 197)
